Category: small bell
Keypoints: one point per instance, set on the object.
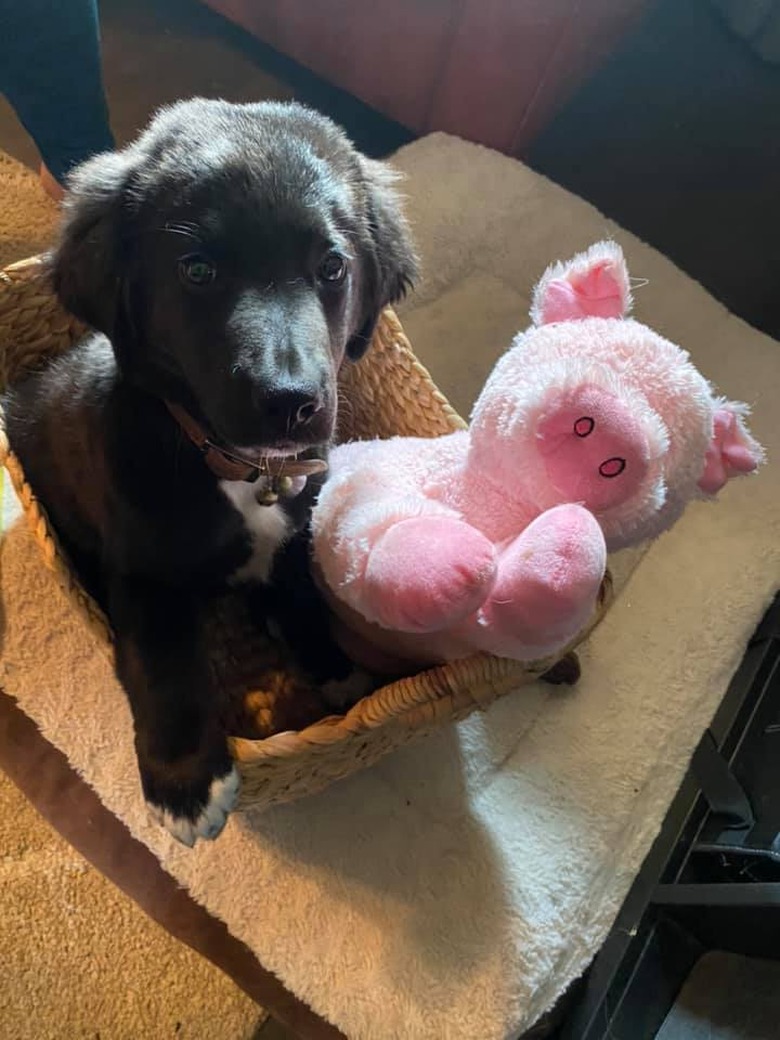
(268, 495)
(285, 485)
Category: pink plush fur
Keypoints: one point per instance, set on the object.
(592, 433)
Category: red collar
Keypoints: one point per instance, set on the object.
(232, 465)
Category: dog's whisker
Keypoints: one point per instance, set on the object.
(188, 225)
(185, 230)
(346, 406)
(177, 456)
(341, 239)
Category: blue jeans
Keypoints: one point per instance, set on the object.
(50, 72)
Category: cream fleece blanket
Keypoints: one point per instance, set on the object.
(455, 890)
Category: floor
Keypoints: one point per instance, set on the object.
(726, 997)
(80, 960)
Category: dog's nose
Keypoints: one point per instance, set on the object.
(289, 408)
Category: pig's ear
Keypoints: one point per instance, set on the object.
(593, 284)
(732, 451)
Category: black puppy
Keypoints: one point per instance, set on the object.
(231, 259)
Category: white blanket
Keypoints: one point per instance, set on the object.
(454, 891)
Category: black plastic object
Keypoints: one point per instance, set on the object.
(712, 877)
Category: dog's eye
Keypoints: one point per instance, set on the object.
(333, 268)
(197, 270)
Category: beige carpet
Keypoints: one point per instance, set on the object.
(78, 959)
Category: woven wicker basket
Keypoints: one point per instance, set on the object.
(389, 393)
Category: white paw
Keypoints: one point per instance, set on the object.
(223, 793)
(340, 694)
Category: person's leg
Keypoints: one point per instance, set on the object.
(50, 72)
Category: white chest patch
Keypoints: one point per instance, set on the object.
(267, 526)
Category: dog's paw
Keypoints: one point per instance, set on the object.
(341, 694)
(188, 817)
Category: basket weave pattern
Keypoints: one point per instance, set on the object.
(388, 393)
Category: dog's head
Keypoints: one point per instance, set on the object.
(235, 255)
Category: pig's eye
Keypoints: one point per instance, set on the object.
(612, 467)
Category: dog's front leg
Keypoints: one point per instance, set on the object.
(305, 624)
(187, 774)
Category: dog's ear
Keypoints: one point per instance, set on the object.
(392, 262)
(87, 263)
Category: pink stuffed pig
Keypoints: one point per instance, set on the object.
(591, 434)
